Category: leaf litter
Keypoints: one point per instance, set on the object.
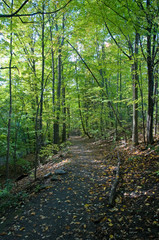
(76, 207)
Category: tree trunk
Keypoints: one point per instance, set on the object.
(142, 104)
(37, 143)
(79, 105)
(135, 92)
(64, 115)
(150, 80)
(53, 74)
(42, 78)
(68, 121)
(10, 96)
(56, 123)
(15, 146)
(150, 96)
(156, 101)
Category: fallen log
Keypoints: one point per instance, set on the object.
(112, 194)
(21, 177)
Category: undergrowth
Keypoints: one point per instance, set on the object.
(8, 198)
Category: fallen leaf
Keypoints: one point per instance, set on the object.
(111, 236)
(22, 228)
(110, 224)
(33, 213)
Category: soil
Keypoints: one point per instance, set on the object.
(75, 206)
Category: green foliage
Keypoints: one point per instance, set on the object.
(9, 199)
(149, 146)
(48, 150)
(2, 143)
(65, 145)
(157, 149)
(52, 149)
(6, 191)
(22, 165)
(157, 172)
(37, 188)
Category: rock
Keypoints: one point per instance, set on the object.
(48, 175)
(60, 172)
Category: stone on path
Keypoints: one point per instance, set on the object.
(48, 175)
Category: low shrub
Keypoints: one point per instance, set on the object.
(9, 199)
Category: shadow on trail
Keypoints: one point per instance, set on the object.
(65, 209)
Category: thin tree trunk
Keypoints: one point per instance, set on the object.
(135, 92)
(63, 108)
(116, 122)
(56, 123)
(53, 75)
(36, 143)
(156, 101)
(10, 96)
(120, 86)
(64, 115)
(135, 108)
(79, 105)
(15, 148)
(102, 73)
(42, 78)
(68, 121)
(142, 105)
(150, 80)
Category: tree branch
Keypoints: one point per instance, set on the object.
(117, 44)
(108, 6)
(31, 14)
(126, 37)
(115, 184)
(3, 68)
(156, 62)
(13, 14)
(6, 3)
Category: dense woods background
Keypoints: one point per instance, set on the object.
(76, 67)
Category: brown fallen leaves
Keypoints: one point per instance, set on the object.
(136, 213)
(86, 194)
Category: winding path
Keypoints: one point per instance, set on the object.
(66, 209)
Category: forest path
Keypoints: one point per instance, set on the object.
(67, 209)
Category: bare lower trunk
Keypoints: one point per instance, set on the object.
(64, 116)
(150, 103)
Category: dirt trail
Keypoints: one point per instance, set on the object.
(66, 209)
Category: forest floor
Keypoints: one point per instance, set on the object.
(75, 206)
